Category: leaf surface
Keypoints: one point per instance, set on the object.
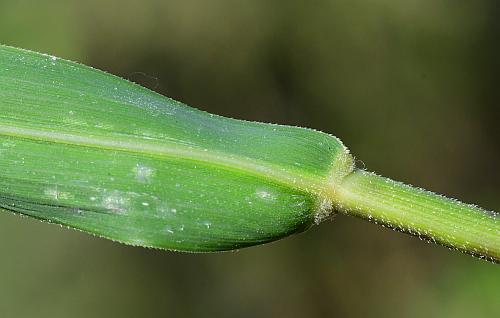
(89, 150)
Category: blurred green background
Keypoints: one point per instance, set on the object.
(410, 86)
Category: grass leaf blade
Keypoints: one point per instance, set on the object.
(89, 150)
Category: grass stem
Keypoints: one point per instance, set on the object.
(427, 215)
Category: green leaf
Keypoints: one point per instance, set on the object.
(86, 149)
(89, 150)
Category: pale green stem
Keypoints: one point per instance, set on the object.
(427, 215)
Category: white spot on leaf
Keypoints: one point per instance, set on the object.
(265, 195)
(57, 195)
(143, 174)
(169, 230)
(116, 202)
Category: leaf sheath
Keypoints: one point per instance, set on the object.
(421, 213)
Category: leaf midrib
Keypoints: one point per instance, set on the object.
(304, 182)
